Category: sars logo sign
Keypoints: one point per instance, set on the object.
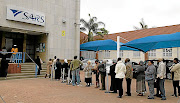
(23, 15)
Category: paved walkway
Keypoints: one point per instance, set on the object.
(45, 91)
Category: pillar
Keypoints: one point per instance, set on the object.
(97, 55)
(146, 56)
(77, 29)
(24, 42)
(3, 40)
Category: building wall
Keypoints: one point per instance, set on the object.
(55, 11)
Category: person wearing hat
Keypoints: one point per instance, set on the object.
(161, 75)
(14, 50)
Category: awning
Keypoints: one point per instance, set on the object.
(155, 42)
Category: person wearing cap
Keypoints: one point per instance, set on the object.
(120, 71)
(161, 75)
(14, 50)
(175, 69)
(129, 76)
(113, 79)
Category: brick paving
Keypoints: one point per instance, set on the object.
(43, 90)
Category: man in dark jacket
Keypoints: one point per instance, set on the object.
(102, 70)
(38, 62)
(113, 79)
(3, 67)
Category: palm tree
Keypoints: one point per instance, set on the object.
(142, 24)
(92, 27)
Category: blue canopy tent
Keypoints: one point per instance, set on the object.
(155, 42)
(102, 45)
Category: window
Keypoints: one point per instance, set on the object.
(121, 53)
(88, 54)
(152, 53)
(107, 54)
(167, 52)
(136, 53)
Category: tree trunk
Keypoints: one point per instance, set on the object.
(89, 36)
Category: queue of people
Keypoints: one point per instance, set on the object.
(120, 71)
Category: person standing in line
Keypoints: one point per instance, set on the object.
(175, 69)
(54, 66)
(129, 76)
(161, 75)
(49, 67)
(102, 71)
(3, 67)
(88, 73)
(38, 62)
(120, 71)
(140, 81)
(97, 73)
(150, 77)
(113, 79)
(75, 68)
(58, 70)
(65, 65)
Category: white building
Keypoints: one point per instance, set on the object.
(136, 56)
(41, 27)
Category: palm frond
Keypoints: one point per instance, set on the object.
(101, 23)
(82, 28)
(84, 23)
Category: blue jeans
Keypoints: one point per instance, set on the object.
(161, 85)
(75, 74)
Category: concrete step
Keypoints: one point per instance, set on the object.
(27, 71)
(22, 77)
(23, 74)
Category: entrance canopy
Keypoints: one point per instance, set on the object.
(155, 42)
(102, 45)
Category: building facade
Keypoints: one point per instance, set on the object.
(136, 56)
(44, 28)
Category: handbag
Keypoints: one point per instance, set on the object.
(155, 84)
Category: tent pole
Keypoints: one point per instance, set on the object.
(118, 46)
(177, 52)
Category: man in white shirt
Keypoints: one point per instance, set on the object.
(161, 75)
(120, 71)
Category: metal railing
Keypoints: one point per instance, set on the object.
(20, 57)
(36, 66)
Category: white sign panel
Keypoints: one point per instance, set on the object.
(24, 15)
